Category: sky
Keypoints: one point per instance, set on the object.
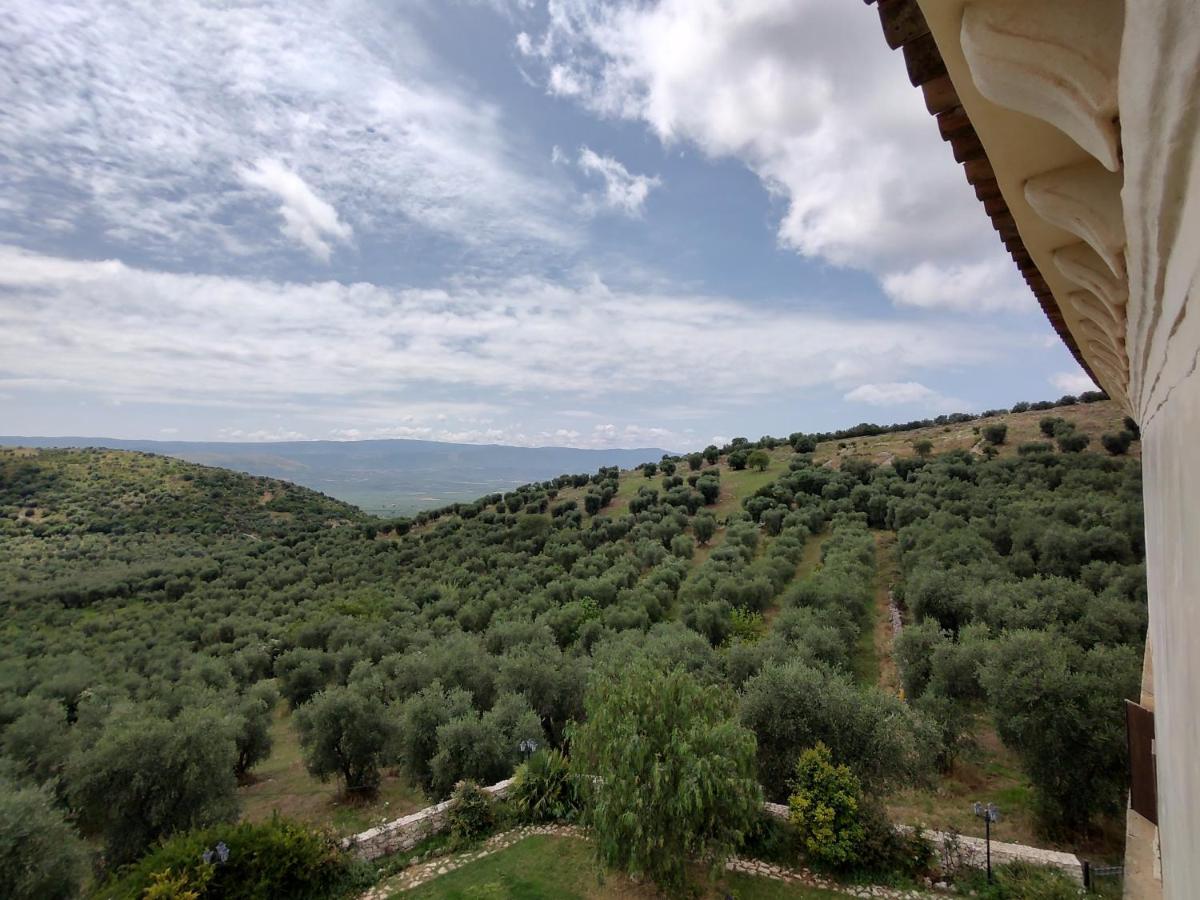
(574, 223)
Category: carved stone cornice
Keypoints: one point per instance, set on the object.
(1055, 60)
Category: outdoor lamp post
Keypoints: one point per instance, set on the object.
(527, 747)
(989, 813)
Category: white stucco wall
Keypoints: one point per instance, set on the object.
(1171, 454)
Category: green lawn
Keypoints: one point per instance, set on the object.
(564, 869)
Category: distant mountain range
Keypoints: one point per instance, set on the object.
(388, 477)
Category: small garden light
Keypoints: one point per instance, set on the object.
(989, 813)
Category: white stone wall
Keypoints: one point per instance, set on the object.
(408, 831)
(973, 850)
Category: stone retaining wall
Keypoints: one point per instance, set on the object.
(972, 851)
(406, 832)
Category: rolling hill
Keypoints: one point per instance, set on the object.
(148, 601)
(386, 477)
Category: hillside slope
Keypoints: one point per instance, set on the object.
(141, 595)
(1092, 419)
(117, 491)
(79, 526)
(388, 477)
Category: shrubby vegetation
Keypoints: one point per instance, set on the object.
(156, 610)
(825, 808)
(278, 860)
(545, 790)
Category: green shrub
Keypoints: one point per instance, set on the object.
(1035, 447)
(746, 625)
(41, 857)
(793, 705)
(773, 839)
(1117, 444)
(472, 813)
(1049, 425)
(886, 851)
(1073, 442)
(276, 860)
(825, 808)
(1020, 881)
(545, 790)
(995, 434)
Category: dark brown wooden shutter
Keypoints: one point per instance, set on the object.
(1143, 772)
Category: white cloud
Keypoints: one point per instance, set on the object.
(1072, 382)
(987, 286)
(805, 93)
(306, 217)
(258, 435)
(900, 393)
(368, 357)
(140, 131)
(624, 192)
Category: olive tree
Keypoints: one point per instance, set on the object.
(343, 734)
(146, 777)
(1073, 442)
(758, 459)
(995, 434)
(41, 857)
(1061, 709)
(254, 731)
(420, 717)
(1117, 444)
(674, 772)
(793, 706)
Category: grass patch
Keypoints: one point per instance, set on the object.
(1094, 419)
(987, 771)
(738, 485)
(883, 671)
(543, 867)
(282, 784)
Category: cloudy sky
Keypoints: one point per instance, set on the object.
(576, 222)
